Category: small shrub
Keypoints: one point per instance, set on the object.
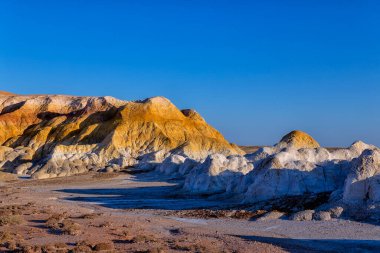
(143, 239)
(54, 221)
(89, 216)
(59, 223)
(104, 246)
(81, 249)
(5, 236)
(69, 227)
(60, 245)
(11, 220)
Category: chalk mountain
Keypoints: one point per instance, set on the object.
(55, 135)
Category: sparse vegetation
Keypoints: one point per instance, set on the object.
(11, 220)
(143, 238)
(89, 216)
(81, 249)
(5, 236)
(54, 221)
(104, 246)
(58, 222)
(70, 227)
(16, 209)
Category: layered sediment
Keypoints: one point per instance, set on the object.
(54, 135)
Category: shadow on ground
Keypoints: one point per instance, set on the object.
(164, 197)
(319, 245)
(155, 197)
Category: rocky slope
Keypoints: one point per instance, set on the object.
(54, 135)
(292, 175)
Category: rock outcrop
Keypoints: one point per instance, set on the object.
(363, 181)
(54, 135)
(288, 175)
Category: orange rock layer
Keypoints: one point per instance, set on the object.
(95, 131)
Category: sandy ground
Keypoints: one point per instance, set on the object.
(148, 213)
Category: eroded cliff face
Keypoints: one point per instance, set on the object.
(55, 135)
(294, 174)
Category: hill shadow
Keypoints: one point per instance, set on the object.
(318, 245)
(164, 197)
(173, 197)
(152, 197)
(11, 108)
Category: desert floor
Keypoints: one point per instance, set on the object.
(147, 213)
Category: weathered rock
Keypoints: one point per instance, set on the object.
(65, 135)
(363, 183)
(322, 215)
(171, 164)
(273, 215)
(336, 212)
(217, 173)
(306, 215)
(272, 173)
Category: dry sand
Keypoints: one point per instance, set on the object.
(144, 213)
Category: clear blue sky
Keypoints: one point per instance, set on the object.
(254, 69)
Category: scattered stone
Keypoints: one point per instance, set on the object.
(322, 216)
(143, 239)
(336, 212)
(273, 215)
(306, 215)
(59, 223)
(70, 227)
(104, 246)
(11, 220)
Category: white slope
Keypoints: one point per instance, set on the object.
(351, 174)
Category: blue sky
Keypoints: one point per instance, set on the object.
(254, 69)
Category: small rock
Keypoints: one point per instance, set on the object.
(322, 215)
(306, 215)
(104, 246)
(274, 215)
(336, 212)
